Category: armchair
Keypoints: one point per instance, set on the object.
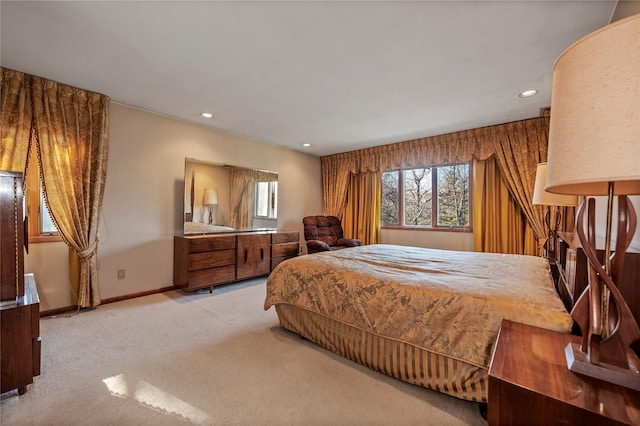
(324, 233)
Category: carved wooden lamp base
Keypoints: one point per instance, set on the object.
(578, 362)
(607, 324)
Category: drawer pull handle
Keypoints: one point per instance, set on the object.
(245, 255)
(261, 254)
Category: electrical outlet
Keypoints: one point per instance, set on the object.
(120, 274)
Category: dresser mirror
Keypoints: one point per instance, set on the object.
(225, 198)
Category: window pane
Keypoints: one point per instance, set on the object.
(390, 199)
(262, 199)
(46, 223)
(274, 197)
(453, 195)
(417, 197)
(265, 199)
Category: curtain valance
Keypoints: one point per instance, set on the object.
(450, 148)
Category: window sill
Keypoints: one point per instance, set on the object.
(465, 229)
(45, 239)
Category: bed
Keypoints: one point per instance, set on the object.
(428, 317)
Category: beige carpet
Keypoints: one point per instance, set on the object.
(200, 358)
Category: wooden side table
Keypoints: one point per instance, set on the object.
(20, 344)
(529, 383)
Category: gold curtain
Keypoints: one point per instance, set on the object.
(72, 141)
(240, 199)
(15, 120)
(518, 153)
(335, 184)
(361, 218)
(242, 194)
(498, 223)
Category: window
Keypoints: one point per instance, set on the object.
(265, 201)
(428, 197)
(40, 223)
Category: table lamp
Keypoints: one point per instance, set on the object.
(594, 149)
(210, 200)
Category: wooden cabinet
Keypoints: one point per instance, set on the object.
(254, 258)
(12, 239)
(201, 261)
(530, 384)
(572, 279)
(284, 245)
(20, 305)
(20, 339)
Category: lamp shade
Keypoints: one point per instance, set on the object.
(210, 197)
(544, 198)
(594, 133)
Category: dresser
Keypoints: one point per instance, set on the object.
(530, 384)
(205, 261)
(19, 302)
(20, 339)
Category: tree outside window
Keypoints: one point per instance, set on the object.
(429, 197)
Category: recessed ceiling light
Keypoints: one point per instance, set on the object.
(528, 93)
(306, 144)
(207, 115)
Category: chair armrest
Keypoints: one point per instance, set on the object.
(317, 245)
(349, 242)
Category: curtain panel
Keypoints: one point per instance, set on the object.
(518, 147)
(70, 129)
(518, 150)
(242, 194)
(499, 226)
(335, 183)
(15, 120)
(362, 210)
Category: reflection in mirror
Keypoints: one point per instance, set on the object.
(224, 198)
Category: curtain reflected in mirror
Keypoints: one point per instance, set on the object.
(246, 198)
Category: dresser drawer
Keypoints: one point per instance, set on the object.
(214, 259)
(211, 277)
(285, 237)
(197, 245)
(285, 250)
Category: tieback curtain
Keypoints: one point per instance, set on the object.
(70, 129)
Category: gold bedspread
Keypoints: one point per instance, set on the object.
(450, 303)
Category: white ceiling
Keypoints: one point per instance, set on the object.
(338, 75)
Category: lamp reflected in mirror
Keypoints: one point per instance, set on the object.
(210, 200)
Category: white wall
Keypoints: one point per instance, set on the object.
(143, 201)
(461, 241)
(601, 223)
